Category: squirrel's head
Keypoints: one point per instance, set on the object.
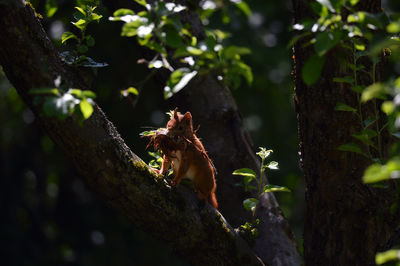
(180, 125)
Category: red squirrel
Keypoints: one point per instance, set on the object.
(189, 158)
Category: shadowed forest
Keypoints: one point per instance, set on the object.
(299, 79)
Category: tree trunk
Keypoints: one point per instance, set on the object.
(197, 233)
(346, 221)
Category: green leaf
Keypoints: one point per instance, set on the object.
(358, 17)
(312, 69)
(68, 35)
(51, 8)
(245, 172)
(273, 165)
(393, 27)
(243, 70)
(89, 94)
(95, 17)
(178, 80)
(242, 5)
(231, 52)
(377, 172)
(275, 188)
(130, 29)
(122, 12)
(129, 91)
(142, 2)
(83, 12)
(250, 204)
(359, 45)
(220, 35)
(351, 147)
(346, 79)
(365, 136)
(194, 51)
(344, 107)
(325, 41)
(327, 4)
(264, 153)
(376, 90)
(354, 2)
(387, 256)
(75, 92)
(148, 133)
(86, 108)
(388, 107)
(80, 24)
(82, 94)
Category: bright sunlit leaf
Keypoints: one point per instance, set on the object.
(275, 188)
(387, 256)
(86, 108)
(245, 172)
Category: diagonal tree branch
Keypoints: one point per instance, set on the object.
(118, 176)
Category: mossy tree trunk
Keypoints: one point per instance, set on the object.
(346, 222)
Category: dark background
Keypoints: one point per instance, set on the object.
(48, 214)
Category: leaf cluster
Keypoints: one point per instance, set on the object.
(61, 102)
(83, 16)
(159, 28)
(368, 33)
(250, 181)
(250, 229)
(157, 160)
(226, 10)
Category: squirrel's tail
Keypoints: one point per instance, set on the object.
(213, 200)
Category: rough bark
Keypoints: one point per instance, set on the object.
(118, 176)
(346, 221)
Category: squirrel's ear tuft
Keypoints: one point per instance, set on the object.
(188, 116)
(176, 113)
